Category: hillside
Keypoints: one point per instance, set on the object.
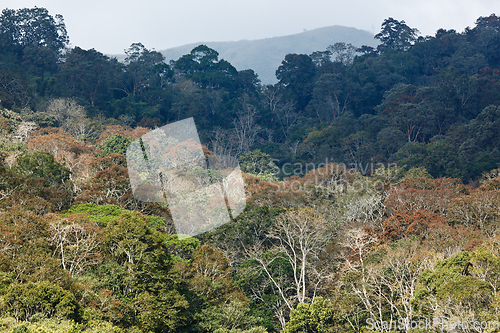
(372, 186)
(265, 55)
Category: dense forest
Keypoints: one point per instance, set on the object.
(372, 178)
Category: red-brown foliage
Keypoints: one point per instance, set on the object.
(404, 224)
(134, 133)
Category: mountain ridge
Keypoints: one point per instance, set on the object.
(265, 55)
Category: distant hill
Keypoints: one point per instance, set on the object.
(265, 55)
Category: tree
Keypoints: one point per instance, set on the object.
(201, 58)
(24, 301)
(116, 144)
(439, 158)
(203, 66)
(14, 90)
(140, 272)
(42, 165)
(47, 184)
(480, 142)
(246, 128)
(108, 186)
(343, 52)
(396, 35)
(486, 35)
(54, 141)
(332, 95)
(34, 27)
(145, 70)
(25, 128)
(390, 139)
(89, 75)
(447, 292)
(249, 81)
(386, 286)
(296, 73)
(71, 117)
(479, 209)
(358, 149)
(103, 214)
(77, 244)
(406, 109)
(311, 318)
(281, 108)
(26, 253)
(219, 303)
(258, 164)
(300, 237)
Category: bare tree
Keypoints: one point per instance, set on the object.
(300, 236)
(399, 274)
(285, 112)
(24, 129)
(81, 128)
(358, 241)
(222, 144)
(71, 117)
(77, 245)
(64, 109)
(246, 128)
(365, 209)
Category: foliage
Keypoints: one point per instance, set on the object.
(41, 299)
(313, 317)
(385, 206)
(396, 35)
(34, 27)
(42, 165)
(259, 164)
(116, 144)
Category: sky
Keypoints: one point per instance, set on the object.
(111, 26)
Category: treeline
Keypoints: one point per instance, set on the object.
(341, 248)
(418, 101)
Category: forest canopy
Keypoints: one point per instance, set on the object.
(372, 178)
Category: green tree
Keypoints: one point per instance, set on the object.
(390, 139)
(331, 97)
(486, 36)
(203, 66)
(42, 165)
(103, 214)
(116, 144)
(140, 273)
(396, 35)
(258, 164)
(89, 75)
(343, 52)
(201, 58)
(218, 302)
(45, 299)
(145, 70)
(34, 27)
(439, 158)
(296, 73)
(312, 317)
(405, 108)
(448, 290)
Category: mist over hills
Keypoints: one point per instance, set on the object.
(265, 55)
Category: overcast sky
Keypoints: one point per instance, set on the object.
(110, 26)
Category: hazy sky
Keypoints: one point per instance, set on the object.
(110, 26)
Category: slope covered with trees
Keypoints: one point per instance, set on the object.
(372, 182)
